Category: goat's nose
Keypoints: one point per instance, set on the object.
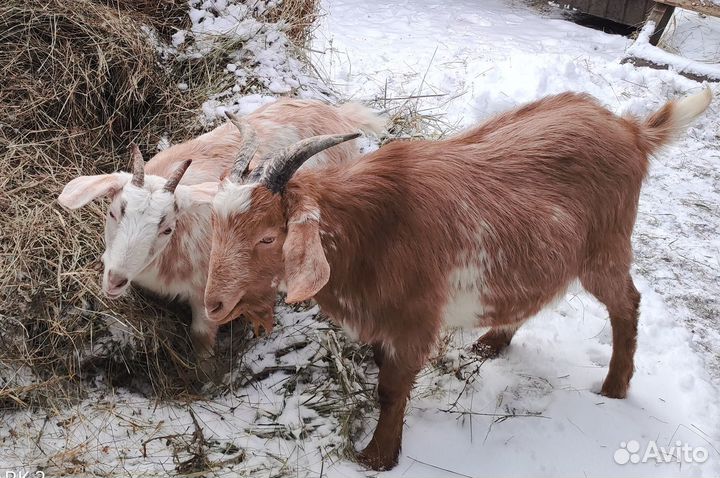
(214, 307)
(116, 280)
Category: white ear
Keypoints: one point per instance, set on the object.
(84, 189)
(202, 193)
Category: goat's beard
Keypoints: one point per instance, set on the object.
(258, 309)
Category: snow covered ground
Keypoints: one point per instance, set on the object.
(532, 411)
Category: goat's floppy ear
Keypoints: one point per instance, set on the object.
(84, 189)
(306, 268)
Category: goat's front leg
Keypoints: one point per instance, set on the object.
(203, 333)
(378, 355)
(397, 376)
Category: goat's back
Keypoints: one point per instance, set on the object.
(508, 212)
(277, 125)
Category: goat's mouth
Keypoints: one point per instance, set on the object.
(115, 293)
(233, 314)
(254, 306)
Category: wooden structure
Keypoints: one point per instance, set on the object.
(627, 12)
(636, 12)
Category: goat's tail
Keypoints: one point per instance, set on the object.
(363, 118)
(672, 120)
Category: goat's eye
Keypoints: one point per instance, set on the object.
(167, 231)
(112, 215)
(267, 240)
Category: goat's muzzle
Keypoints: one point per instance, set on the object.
(221, 311)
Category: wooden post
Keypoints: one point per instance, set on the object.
(660, 14)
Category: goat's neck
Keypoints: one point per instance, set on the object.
(359, 211)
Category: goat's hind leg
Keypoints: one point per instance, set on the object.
(617, 291)
(495, 340)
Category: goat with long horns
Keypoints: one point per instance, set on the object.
(482, 229)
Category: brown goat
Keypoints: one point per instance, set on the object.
(482, 229)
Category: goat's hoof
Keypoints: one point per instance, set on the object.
(490, 345)
(614, 389)
(485, 351)
(376, 460)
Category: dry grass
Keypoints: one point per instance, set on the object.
(299, 15)
(166, 16)
(80, 80)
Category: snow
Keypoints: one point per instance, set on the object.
(263, 48)
(692, 35)
(532, 411)
(643, 49)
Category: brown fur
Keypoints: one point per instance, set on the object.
(277, 125)
(179, 270)
(511, 211)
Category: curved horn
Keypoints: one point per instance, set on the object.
(138, 166)
(173, 181)
(280, 167)
(247, 151)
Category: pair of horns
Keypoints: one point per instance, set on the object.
(276, 169)
(138, 170)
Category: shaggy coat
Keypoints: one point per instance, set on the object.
(483, 229)
(160, 241)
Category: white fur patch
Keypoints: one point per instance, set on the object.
(388, 349)
(560, 215)
(233, 198)
(200, 325)
(280, 284)
(466, 285)
(687, 109)
(464, 307)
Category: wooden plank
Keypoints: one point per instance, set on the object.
(637, 11)
(628, 12)
(660, 15)
(694, 5)
(649, 4)
(660, 66)
(598, 8)
(615, 11)
(581, 5)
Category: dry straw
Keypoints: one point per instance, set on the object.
(79, 81)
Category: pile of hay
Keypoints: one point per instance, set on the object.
(298, 15)
(81, 79)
